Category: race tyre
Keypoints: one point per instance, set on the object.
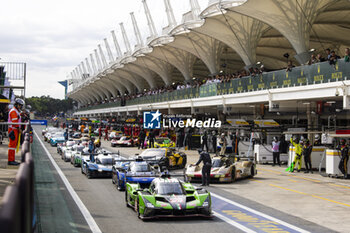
(127, 199)
(186, 179)
(252, 171)
(88, 174)
(184, 161)
(233, 175)
(118, 184)
(137, 207)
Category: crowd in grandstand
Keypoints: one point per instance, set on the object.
(331, 57)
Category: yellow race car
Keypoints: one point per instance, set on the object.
(163, 142)
(168, 157)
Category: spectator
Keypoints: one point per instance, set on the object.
(347, 58)
(320, 58)
(289, 66)
(312, 60)
(328, 53)
(333, 58)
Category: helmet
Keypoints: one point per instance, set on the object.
(317, 136)
(223, 134)
(301, 142)
(19, 101)
(275, 138)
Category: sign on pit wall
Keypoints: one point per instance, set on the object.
(38, 122)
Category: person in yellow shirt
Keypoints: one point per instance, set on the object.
(298, 154)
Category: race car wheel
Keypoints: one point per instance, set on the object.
(184, 161)
(88, 174)
(137, 207)
(127, 199)
(119, 187)
(186, 179)
(252, 171)
(233, 175)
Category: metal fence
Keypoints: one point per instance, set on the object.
(15, 74)
(298, 76)
(17, 210)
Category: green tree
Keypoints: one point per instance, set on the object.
(48, 106)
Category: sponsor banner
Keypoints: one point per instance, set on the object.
(38, 122)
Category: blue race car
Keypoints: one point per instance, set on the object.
(137, 171)
(57, 138)
(101, 167)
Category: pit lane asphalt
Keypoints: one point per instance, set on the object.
(107, 206)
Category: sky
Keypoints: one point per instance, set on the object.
(53, 37)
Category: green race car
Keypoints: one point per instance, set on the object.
(168, 197)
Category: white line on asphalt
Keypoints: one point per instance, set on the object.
(89, 219)
(259, 213)
(233, 223)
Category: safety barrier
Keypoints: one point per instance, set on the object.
(17, 209)
(297, 76)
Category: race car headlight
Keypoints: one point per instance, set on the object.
(149, 205)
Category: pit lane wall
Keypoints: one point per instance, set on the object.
(299, 76)
(17, 207)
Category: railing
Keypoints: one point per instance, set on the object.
(17, 210)
(298, 76)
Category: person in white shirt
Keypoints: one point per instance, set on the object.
(276, 151)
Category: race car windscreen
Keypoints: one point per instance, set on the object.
(152, 153)
(140, 167)
(217, 163)
(104, 161)
(170, 188)
(80, 148)
(159, 140)
(70, 143)
(85, 151)
(58, 135)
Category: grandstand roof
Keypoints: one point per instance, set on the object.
(235, 33)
